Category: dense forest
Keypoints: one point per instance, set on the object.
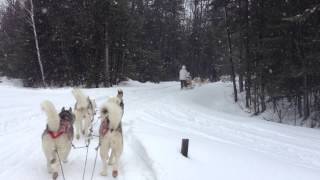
(270, 49)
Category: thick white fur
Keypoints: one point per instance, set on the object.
(52, 114)
(112, 140)
(62, 144)
(81, 98)
(82, 113)
(114, 111)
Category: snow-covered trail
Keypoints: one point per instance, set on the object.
(22, 124)
(225, 143)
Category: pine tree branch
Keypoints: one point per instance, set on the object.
(304, 16)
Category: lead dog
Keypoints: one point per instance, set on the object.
(84, 110)
(111, 137)
(57, 137)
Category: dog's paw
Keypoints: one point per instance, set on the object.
(114, 173)
(104, 173)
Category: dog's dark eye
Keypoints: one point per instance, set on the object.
(104, 111)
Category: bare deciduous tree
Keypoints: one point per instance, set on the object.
(32, 23)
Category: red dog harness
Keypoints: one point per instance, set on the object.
(65, 127)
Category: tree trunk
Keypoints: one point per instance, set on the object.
(240, 82)
(262, 97)
(106, 39)
(255, 97)
(230, 56)
(36, 42)
(240, 50)
(299, 106)
(261, 83)
(248, 69)
(306, 108)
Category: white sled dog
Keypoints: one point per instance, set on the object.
(57, 137)
(84, 110)
(110, 132)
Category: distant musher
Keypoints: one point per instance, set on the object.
(183, 75)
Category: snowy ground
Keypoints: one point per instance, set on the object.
(225, 143)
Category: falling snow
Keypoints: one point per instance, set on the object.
(44, 10)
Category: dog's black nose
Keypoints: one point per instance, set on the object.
(104, 111)
(108, 121)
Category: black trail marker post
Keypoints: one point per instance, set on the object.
(184, 147)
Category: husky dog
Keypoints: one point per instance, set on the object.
(57, 137)
(110, 133)
(84, 110)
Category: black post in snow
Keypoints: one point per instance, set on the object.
(184, 147)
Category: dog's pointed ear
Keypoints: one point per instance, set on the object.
(63, 109)
(120, 93)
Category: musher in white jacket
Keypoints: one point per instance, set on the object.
(183, 76)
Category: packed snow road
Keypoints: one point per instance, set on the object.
(225, 143)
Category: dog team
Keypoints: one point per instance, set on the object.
(58, 136)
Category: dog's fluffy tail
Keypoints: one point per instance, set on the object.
(80, 97)
(52, 114)
(113, 111)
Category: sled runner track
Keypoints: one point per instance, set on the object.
(140, 153)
